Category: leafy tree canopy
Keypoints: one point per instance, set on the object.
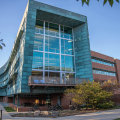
(104, 2)
(89, 93)
(1, 44)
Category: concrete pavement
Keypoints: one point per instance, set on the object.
(104, 115)
(5, 114)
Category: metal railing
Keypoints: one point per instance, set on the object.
(39, 80)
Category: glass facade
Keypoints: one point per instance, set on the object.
(102, 62)
(103, 72)
(53, 52)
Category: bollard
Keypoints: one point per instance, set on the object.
(1, 115)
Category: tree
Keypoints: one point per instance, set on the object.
(1, 44)
(104, 2)
(114, 87)
(89, 93)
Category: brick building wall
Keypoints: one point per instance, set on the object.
(104, 67)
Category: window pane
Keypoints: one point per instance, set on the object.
(46, 61)
(37, 60)
(66, 47)
(54, 62)
(67, 32)
(46, 28)
(54, 74)
(38, 42)
(39, 24)
(53, 29)
(46, 43)
(54, 45)
(37, 73)
(69, 63)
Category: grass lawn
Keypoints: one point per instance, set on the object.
(117, 119)
(9, 109)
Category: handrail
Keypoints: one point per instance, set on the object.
(40, 80)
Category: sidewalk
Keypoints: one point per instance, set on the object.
(103, 115)
(5, 115)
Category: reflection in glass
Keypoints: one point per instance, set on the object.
(39, 27)
(38, 42)
(54, 74)
(67, 63)
(37, 73)
(46, 61)
(37, 60)
(66, 32)
(54, 45)
(54, 62)
(46, 44)
(53, 29)
(46, 28)
(66, 47)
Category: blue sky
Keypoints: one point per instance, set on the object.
(103, 24)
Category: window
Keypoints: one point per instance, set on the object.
(54, 62)
(66, 47)
(38, 42)
(103, 72)
(37, 60)
(98, 61)
(67, 63)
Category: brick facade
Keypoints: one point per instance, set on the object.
(115, 69)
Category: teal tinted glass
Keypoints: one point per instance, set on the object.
(37, 60)
(38, 42)
(69, 63)
(46, 28)
(66, 32)
(54, 45)
(46, 61)
(39, 25)
(53, 29)
(46, 43)
(66, 47)
(54, 62)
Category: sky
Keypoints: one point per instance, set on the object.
(103, 24)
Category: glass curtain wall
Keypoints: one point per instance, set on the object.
(53, 52)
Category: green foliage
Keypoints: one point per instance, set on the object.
(104, 2)
(1, 44)
(88, 93)
(106, 105)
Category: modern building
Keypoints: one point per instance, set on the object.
(105, 67)
(51, 52)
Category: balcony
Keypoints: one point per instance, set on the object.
(54, 81)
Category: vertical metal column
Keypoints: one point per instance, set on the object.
(1, 115)
(18, 99)
(44, 52)
(14, 99)
(60, 55)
